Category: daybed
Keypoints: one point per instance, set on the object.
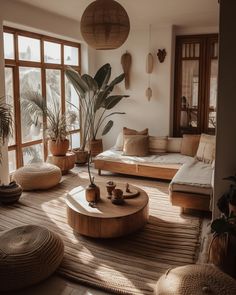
(191, 179)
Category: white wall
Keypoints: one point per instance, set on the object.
(140, 113)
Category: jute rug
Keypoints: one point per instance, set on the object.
(128, 265)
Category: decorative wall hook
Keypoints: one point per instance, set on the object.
(161, 54)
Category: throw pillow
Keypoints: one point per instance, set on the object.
(135, 145)
(127, 131)
(190, 144)
(158, 144)
(206, 148)
(119, 142)
(174, 144)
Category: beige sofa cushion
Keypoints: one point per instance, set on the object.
(206, 148)
(157, 144)
(174, 144)
(128, 131)
(119, 142)
(190, 144)
(193, 177)
(135, 145)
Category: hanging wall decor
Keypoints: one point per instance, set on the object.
(105, 24)
(126, 61)
(149, 67)
(161, 54)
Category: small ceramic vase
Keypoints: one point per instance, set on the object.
(110, 187)
(117, 197)
(90, 193)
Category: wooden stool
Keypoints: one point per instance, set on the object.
(65, 163)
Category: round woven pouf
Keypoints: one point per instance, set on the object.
(196, 280)
(28, 255)
(37, 176)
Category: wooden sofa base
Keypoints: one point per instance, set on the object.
(166, 172)
(190, 200)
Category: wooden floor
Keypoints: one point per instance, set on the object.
(57, 285)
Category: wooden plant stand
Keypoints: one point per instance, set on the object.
(65, 163)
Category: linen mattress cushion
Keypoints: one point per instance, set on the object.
(29, 254)
(190, 144)
(193, 177)
(37, 176)
(128, 131)
(135, 145)
(174, 144)
(157, 144)
(206, 148)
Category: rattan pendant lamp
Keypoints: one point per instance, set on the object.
(105, 25)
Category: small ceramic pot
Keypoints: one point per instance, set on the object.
(90, 193)
(117, 197)
(110, 185)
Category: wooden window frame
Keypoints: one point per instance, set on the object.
(205, 41)
(16, 63)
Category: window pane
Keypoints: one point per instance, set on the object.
(72, 110)
(71, 55)
(10, 99)
(30, 80)
(29, 48)
(33, 154)
(75, 139)
(213, 94)
(189, 97)
(53, 87)
(12, 161)
(52, 52)
(9, 51)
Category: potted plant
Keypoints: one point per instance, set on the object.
(56, 131)
(95, 100)
(222, 249)
(227, 202)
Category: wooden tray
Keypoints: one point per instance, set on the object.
(133, 193)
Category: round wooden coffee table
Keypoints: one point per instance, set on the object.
(106, 220)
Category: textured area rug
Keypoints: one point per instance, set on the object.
(128, 265)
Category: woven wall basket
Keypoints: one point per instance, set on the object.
(105, 24)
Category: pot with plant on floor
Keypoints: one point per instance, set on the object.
(222, 248)
(95, 101)
(9, 193)
(57, 123)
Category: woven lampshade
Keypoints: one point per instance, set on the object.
(105, 24)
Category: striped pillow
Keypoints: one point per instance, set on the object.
(158, 144)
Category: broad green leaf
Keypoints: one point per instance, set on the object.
(116, 81)
(107, 128)
(112, 101)
(92, 84)
(76, 80)
(103, 76)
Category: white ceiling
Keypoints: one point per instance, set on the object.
(176, 12)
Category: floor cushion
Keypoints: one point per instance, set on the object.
(37, 176)
(196, 279)
(193, 177)
(28, 255)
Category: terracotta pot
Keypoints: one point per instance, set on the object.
(96, 147)
(92, 193)
(81, 156)
(58, 148)
(222, 253)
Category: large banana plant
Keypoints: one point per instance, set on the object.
(5, 122)
(95, 100)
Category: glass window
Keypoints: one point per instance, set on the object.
(33, 154)
(12, 161)
(52, 52)
(9, 51)
(75, 139)
(29, 49)
(213, 94)
(53, 87)
(30, 81)
(71, 55)
(10, 99)
(72, 105)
